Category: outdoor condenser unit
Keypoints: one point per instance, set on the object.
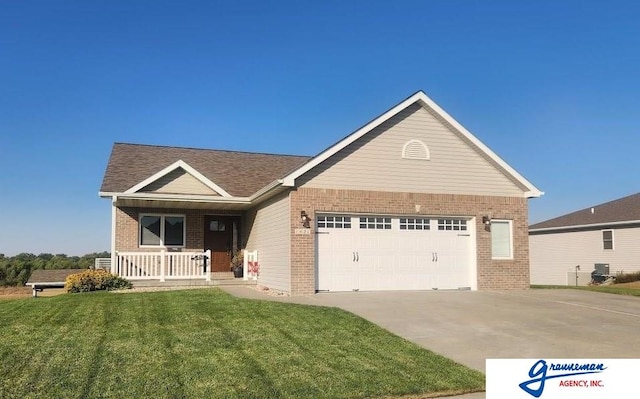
(601, 268)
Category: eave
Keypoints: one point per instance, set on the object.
(187, 201)
(592, 226)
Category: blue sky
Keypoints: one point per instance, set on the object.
(553, 87)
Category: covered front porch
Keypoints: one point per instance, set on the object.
(166, 265)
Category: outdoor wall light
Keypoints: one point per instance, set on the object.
(305, 219)
(486, 220)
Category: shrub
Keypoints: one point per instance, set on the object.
(95, 280)
(627, 277)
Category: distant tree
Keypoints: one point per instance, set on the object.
(16, 270)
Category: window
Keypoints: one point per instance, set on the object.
(607, 239)
(452, 224)
(414, 224)
(162, 230)
(334, 222)
(501, 239)
(375, 223)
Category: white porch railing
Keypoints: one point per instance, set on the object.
(162, 265)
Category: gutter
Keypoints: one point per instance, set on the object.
(584, 226)
(183, 197)
(49, 284)
(265, 190)
(198, 198)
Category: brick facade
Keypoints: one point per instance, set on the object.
(492, 274)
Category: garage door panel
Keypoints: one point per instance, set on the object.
(394, 253)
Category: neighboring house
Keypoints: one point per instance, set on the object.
(410, 201)
(604, 234)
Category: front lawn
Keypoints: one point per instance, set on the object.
(619, 289)
(207, 344)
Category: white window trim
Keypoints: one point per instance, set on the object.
(162, 216)
(613, 239)
(510, 222)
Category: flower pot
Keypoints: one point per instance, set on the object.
(237, 271)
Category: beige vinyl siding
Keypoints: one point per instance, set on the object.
(374, 162)
(178, 182)
(552, 256)
(269, 233)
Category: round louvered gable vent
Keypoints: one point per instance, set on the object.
(415, 149)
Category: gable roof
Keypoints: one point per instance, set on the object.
(180, 164)
(423, 100)
(625, 210)
(238, 174)
(243, 175)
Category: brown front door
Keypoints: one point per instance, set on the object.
(218, 237)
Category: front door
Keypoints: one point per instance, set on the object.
(218, 237)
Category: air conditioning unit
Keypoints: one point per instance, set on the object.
(601, 268)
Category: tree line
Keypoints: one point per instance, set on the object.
(16, 270)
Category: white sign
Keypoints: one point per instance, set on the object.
(302, 231)
(562, 378)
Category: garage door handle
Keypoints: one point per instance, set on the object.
(436, 256)
(354, 257)
(433, 256)
(357, 257)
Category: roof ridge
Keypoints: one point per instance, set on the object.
(210, 149)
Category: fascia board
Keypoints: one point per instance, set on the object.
(184, 197)
(585, 226)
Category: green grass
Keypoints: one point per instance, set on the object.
(609, 289)
(207, 344)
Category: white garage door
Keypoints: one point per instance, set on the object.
(372, 253)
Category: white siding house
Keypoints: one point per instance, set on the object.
(571, 245)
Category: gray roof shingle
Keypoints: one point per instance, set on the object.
(240, 174)
(620, 210)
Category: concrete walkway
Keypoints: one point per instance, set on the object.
(472, 326)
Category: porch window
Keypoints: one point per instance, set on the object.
(162, 230)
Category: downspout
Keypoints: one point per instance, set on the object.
(114, 199)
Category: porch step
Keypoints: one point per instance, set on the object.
(192, 282)
(222, 275)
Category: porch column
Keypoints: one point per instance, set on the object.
(114, 199)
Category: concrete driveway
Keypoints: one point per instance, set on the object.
(471, 326)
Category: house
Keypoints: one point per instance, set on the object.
(41, 279)
(565, 250)
(409, 201)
